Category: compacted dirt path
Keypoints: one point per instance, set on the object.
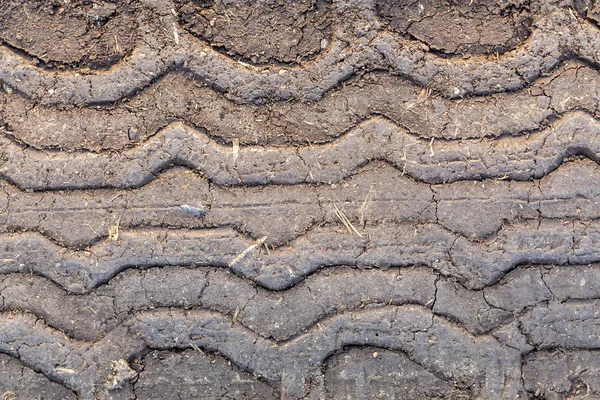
(348, 199)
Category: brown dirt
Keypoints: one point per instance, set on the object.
(263, 31)
(80, 33)
(460, 26)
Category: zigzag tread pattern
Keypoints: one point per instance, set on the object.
(376, 193)
(163, 46)
(308, 200)
(517, 158)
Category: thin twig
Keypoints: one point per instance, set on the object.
(342, 217)
(251, 248)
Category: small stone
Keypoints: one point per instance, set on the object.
(195, 211)
(133, 134)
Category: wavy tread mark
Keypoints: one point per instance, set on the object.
(408, 329)
(557, 309)
(541, 53)
(475, 264)
(293, 363)
(179, 98)
(87, 317)
(376, 193)
(149, 60)
(80, 271)
(558, 36)
(444, 161)
(486, 311)
(164, 48)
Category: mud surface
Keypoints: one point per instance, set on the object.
(299, 199)
(80, 33)
(261, 32)
(460, 27)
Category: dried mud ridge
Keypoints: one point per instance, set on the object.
(354, 37)
(306, 200)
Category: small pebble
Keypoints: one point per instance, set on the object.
(133, 134)
(195, 211)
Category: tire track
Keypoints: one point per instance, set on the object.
(552, 293)
(292, 363)
(546, 47)
(179, 98)
(377, 193)
(559, 35)
(152, 57)
(170, 329)
(476, 264)
(83, 367)
(91, 316)
(366, 193)
(197, 375)
(420, 112)
(345, 372)
(378, 139)
(548, 314)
